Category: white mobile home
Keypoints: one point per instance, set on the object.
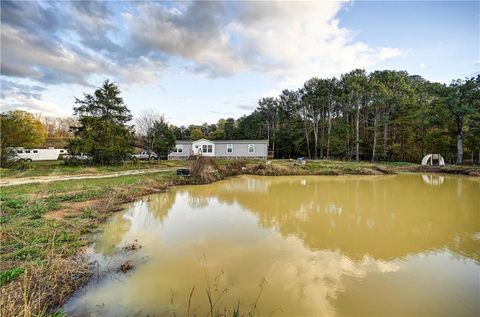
(221, 149)
(50, 154)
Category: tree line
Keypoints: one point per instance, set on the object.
(379, 116)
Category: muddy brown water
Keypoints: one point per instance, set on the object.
(402, 245)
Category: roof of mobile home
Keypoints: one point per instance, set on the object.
(224, 141)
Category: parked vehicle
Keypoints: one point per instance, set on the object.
(81, 157)
(28, 155)
(144, 155)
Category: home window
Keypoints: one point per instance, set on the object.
(229, 148)
(179, 148)
(207, 148)
(251, 148)
(35, 151)
(61, 151)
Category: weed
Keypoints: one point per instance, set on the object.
(88, 212)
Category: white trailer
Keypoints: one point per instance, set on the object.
(50, 154)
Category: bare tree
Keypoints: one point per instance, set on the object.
(144, 125)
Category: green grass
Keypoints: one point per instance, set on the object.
(9, 275)
(52, 168)
(28, 234)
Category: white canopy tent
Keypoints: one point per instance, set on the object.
(433, 159)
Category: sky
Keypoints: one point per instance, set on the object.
(198, 62)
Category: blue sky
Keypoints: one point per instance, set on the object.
(198, 62)
(441, 39)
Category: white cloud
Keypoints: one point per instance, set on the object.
(423, 66)
(296, 41)
(33, 105)
(290, 41)
(81, 42)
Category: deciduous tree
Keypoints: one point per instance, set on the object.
(19, 129)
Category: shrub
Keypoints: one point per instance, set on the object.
(204, 168)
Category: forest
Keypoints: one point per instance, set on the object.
(378, 116)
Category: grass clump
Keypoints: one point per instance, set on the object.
(205, 169)
(9, 275)
(33, 294)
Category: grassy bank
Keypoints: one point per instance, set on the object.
(53, 168)
(44, 227)
(325, 167)
(317, 167)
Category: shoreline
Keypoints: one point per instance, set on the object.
(65, 218)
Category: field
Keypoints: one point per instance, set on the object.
(44, 227)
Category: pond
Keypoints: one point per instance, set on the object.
(404, 245)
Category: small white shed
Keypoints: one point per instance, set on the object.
(433, 159)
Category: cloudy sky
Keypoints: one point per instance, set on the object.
(200, 61)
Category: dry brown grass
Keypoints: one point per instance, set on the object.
(272, 169)
(43, 286)
(450, 169)
(205, 169)
(70, 209)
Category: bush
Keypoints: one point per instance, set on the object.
(73, 161)
(19, 165)
(204, 168)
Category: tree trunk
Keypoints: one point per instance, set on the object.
(273, 136)
(268, 134)
(315, 138)
(322, 138)
(460, 147)
(307, 136)
(329, 130)
(347, 155)
(357, 134)
(459, 124)
(374, 136)
(385, 136)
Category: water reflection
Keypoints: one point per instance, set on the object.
(388, 216)
(433, 179)
(324, 245)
